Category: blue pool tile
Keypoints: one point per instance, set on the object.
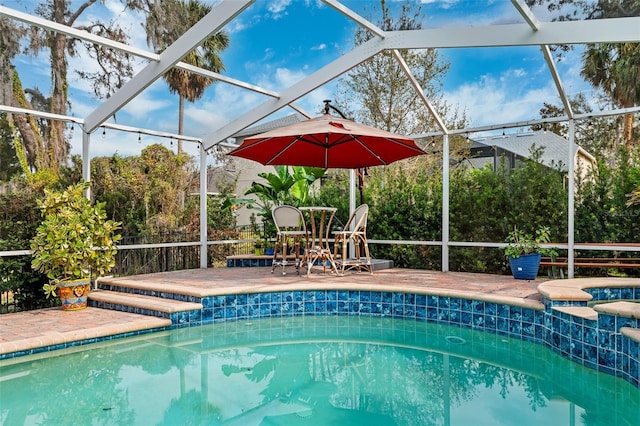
(626, 293)
(265, 298)
(386, 309)
(287, 297)
(443, 315)
(264, 310)
(515, 312)
(528, 330)
(466, 305)
(503, 311)
(515, 327)
(410, 299)
(432, 314)
(397, 298)
(502, 325)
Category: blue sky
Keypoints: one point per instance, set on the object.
(274, 44)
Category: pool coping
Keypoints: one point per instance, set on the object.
(548, 318)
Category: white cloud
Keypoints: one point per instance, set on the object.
(277, 8)
(145, 104)
(491, 100)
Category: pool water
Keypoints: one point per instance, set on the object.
(324, 370)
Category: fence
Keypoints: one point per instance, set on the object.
(159, 253)
(152, 253)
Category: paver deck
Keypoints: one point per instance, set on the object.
(46, 327)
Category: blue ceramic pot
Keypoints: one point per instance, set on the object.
(526, 266)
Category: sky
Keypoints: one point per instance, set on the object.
(275, 43)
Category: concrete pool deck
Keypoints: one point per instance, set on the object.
(49, 327)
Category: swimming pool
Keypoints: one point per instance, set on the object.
(336, 370)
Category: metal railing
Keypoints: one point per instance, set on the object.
(163, 253)
(158, 253)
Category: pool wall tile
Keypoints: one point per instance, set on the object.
(597, 344)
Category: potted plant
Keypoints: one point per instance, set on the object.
(258, 245)
(524, 252)
(74, 243)
(268, 247)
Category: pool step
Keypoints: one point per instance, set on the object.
(141, 304)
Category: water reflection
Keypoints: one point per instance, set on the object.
(323, 370)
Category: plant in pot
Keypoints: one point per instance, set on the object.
(73, 244)
(524, 252)
(268, 247)
(258, 246)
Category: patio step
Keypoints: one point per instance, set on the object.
(140, 304)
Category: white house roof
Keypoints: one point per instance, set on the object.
(556, 148)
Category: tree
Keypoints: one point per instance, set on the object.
(9, 163)
(386, 97)
(597, 135)
(145, 193)
(612, 67)
(48, 144)
(166, 22)
(615, 68)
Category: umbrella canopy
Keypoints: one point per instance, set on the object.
(327, 142)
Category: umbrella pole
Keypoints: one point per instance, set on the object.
(352, 206)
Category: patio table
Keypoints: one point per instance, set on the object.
(318, 250)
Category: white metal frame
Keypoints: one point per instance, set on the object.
(530, 33)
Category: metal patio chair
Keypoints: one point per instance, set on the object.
(291, 227)
(355, 231)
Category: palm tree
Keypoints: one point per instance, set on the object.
(615, 68)
(166, 22)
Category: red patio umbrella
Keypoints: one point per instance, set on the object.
(327, 142)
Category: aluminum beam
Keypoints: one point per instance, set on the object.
(75, 33)
(419, 91)
(527, 14)
(556, 79)
(356, 18)
(210, 24)
(122, 47)
(533, 22)
(336, 68)
(618, 30)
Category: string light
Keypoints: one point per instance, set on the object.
(104, 133)
(503, 134)
(139, 138)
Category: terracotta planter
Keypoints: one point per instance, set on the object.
(73, 294)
